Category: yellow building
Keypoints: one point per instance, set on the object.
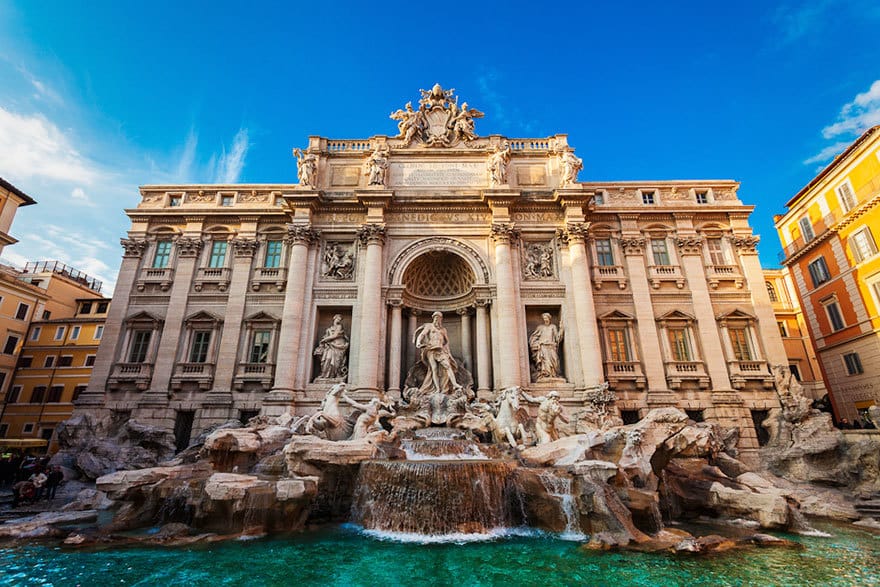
(830, 234)
(54, 367)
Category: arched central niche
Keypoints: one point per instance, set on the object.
(438, 280)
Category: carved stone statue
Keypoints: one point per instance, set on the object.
(438, 122)
(497, 165)
(544, 344)
(571, 165)
(433, 340)
(549, 409)
(539, 261)
(795, 406)
(376, 167)
(333, 350)
(328, 423)
(507, 424)
(598, 413)
(411, 122)
(461, 122)
(338, 261)
(306, 168)
(368, 422)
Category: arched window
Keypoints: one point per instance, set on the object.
(771, 291)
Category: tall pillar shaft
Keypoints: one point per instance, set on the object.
(767, 327)
(509, 364)
(585, 311)
(483, 349)
(395, 351)
(465, 314)
(370, 297)
(227, 357)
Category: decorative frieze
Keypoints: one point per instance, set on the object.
(689, 245)
(634, 245)
(337, 261)
(244, 247)
(538, 261)
(188, 246)
(746, 244)
(134, 248)
(372, 233)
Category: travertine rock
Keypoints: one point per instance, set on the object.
(44, 525)
(307, 454)
(230, 486)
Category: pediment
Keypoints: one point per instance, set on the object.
(676, 315)
(203, 316)
(735, 314)
(143, 316)
(261, 316)
(616, 315)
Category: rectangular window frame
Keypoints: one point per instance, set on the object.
(38, 394)
(740, 342)
(48, 361)
(261, 341)
(217, 258)
(162, 254)
(200, 346)
(862, 244)
(807, 232)
(619, 348)
(21, 313)
(853, 363)
(846, 195)
(717, 254)
(55, 393)
(272, 257)
(604, 252)
(818, 270)
(139, 348)
(99, 332)
(11, 345)
(14, 394)
(60, 331)
(649, 197)
(74, 332)
(834, 314)
(660, 252)
(65, 361)
(35, 333)
(701, 196)
(89, 361)
(680, 347)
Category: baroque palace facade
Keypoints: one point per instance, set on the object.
(234, 300)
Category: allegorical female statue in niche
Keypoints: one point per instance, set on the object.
(544, 344)
(333, 350)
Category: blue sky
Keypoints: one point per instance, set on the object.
(99, 97)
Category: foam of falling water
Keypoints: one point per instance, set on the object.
(453, 538)
(800, 525)
(560, 486)
(442, 450)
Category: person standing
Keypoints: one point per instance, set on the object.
(54, 478)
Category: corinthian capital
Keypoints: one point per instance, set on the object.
(577, 231)
(689, 245)
(133, 247)
(371, 233)
(504, 232)
(632, 245)
(244, 247)
(301, 234)
(746, 244)
(188, 246)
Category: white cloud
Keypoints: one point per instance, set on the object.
(827, 153)
(855, 118)
(187, 159)
(79, 197)
(44, 90)
(230, 164)
(33, 147)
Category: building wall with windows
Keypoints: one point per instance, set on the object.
(53, 368)
(830, 234)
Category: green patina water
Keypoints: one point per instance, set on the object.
(344, 556)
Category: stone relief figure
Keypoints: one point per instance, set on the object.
(433, 340)
(571, 165)
(507, 424)
(497, 165)
(338, 261)
(411, 122)
(333, 350)
(549, 409)
(461, 122)
(376, 167)
(368, 422)
(544, 344)
(599, 414)
(306, 168)
(328, 423)
(538, 261)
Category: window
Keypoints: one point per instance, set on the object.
(38, 394)
(847, 196)
(218, 254)
(11, 345)
(771, 292)
(49, 361)
(853, 364)
(659, 251)
(46, 314)
(618, 345)
(648, 198)
(90, 361)
(795, 371)
(716, 251)
(599, 198)
(22, 312)
(806, 229)
(198, 352)
(4, 429)
(225, 200)
(24, 362)
(273, 254)
(862, 244)
(85, 308)
(783, 329)
(174, 201)
(74, 332)
(260, 346)
(835, 318)
(680, 344)
(819, 271)
(35, 333)
(65, 361)
(102, 307)
(739, 340)
(702, 197)
(27, 428)
(78, 391)
(59, 332)
(140, 344)
(604, 254)
(163, 254)
(99, 332)
(14, 394)
(55, 394)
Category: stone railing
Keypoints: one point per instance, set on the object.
(715, 274)
(137, 374)
(201, 374)
(269, 276)
(660, 273)
(743, 371)
(619, 371)
(530, 144)
(680, 371)
(613, 273)
(342, 146)
(164, 276)
(212, 275)
(254, 375)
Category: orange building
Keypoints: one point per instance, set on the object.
(54, 367)
(830, 234)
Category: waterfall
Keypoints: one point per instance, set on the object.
(559, 485)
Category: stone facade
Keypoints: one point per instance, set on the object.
(226, 293)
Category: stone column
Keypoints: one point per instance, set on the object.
(768, 331)
(110, 341)
(188, 250)
(412, 324)
(395, 350)
(484, 356)
(370, 296)
(243, 250)
(509, 364)
(299, 239)
(585, 311)
(465, 314)
(649, 341)
(690, 251)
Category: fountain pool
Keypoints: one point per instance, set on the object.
(346, 556)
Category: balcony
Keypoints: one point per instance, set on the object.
(612, 273)
(657, 274)
(249, 375)
(743, 371)
(200, 374)
(715, 274)
(678, 372)
(269, 276)
(161, 276)
(218, 276)
(138, 375)
(620, 371)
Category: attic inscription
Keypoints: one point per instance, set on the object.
(438, 174)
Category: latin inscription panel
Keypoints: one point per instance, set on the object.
(429, 174)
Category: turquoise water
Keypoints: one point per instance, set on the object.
(344, 556)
